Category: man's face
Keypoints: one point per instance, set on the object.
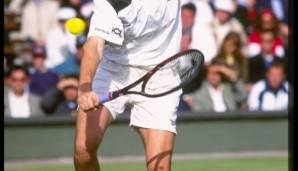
(187, 18)
(275, 77)
(38, 62)
(71, 93)
(222, 16)
(213, 75)
(18, 81)
(267, 40)
(267, 21)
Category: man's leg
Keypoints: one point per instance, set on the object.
(158, 147)
(90, 129)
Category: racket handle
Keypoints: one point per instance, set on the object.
(105, 98)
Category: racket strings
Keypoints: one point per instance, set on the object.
(188, 67)
(175, 73)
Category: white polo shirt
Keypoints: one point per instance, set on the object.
(19, 106)
(142, 34)
(263, 98)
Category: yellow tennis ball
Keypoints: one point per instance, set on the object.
(75, 25)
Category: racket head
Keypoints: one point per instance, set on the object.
(172, 74)
(168, 76)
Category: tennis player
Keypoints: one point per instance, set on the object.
(126, 38)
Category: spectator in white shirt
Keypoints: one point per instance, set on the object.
(272, 93)
(224, 22)
(60, 43)
(18, 101)
(37, 19)
(221, 91)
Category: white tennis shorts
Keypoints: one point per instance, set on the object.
(155, 113)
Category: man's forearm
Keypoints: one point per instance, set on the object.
(92, 53)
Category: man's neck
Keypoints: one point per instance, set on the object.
(18, 94)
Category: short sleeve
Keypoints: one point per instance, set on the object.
(106, 24)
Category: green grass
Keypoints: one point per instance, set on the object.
(227, 164)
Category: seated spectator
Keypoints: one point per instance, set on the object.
(60, 100)
(258, 64)
(272, 93)
(18, 101)
(266, 21)
(60, 43)
(279, 8)
(231, 55)
(225, 22)
(72, 64)
(37, 19)
(188, 13)
(217, 95)
(41, 78)
(203, 40)
(198, 36)
(204, 11)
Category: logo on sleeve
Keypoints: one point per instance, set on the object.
(117, 31)
(173, 123)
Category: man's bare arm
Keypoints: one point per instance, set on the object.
(92, 54)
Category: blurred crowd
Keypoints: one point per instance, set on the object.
(245, 44)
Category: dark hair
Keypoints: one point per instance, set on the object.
(277, 64)
(190, 6)
(259, 21)
(268, 31)
(39, 51)
(13, 68)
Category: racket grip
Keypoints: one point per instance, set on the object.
(105, 98)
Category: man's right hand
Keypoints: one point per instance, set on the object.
(88, 101)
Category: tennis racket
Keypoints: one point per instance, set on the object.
(168, 76)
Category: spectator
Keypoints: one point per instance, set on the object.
(41, 78)
(266, 21)
(188, 13)
(60, 44)
(38, 18)
(231, 55)
(203, 40)
(72, 64)
(217, 95)
(197, 35)
(258, 64)
(272, 93)
(224, 22)
(279, 8)
(18, 101)
(60, 100)
(204, 13)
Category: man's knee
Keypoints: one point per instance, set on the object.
(84, 151)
